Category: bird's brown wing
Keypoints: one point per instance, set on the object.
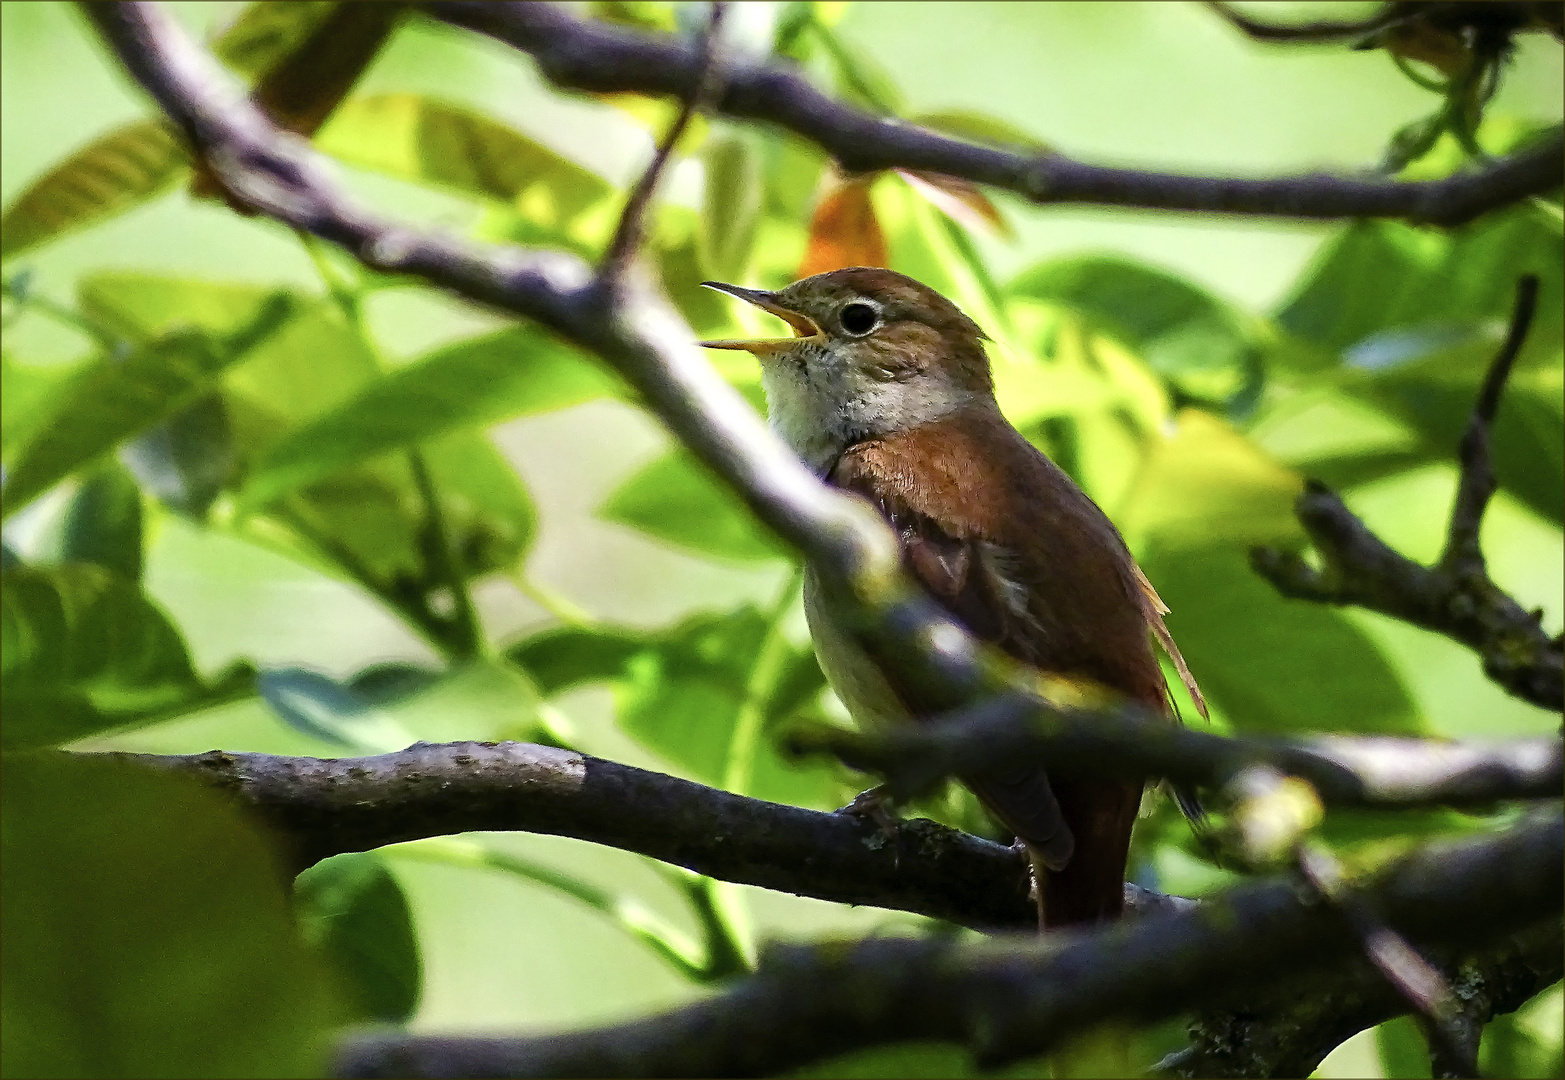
(1021, 557)
(1154, 608)
(962, 575)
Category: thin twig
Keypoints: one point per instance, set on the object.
(603, 58)
(628, 234)
(1414, 977)
(1455, 597)
(1463, 555)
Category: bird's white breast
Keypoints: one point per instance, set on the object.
(854, 677)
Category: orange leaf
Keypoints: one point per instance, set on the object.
(844, 231)
(960, 200)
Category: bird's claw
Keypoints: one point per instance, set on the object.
(873, 804)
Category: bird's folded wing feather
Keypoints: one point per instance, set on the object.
(963, 575)
(1154, 608)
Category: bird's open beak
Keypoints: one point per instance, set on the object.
(803, 325)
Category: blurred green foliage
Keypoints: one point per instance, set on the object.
(274, 415)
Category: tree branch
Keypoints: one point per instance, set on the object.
(1379, 771)
(1455, 596)
(1288, 1029)
(1020, 996)
(632, 222)
(1419, 982)
(323, 807)
(580, 55)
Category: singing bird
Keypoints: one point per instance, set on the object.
(885, 390)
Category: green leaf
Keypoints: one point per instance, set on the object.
(142, 307)
(978, 127)
(27, 393)
(383, 684)
(108, 176)
(861, 80)
(433, 142)
(731, 206)
(351, 908)
(322, 708)
(557, 660)
(654, 15)
(1403, 1049)
(1182, 332)
(1380, 275)
(681, 697)
(680, 692)
(264, 33)
(1436, 399)
(1526, 1043)
(487, 511)
(1270, 664)
(366, 523)
(474, 382)
(148, 932)
(790, 178)
(313, 364)
(371, 520)
(102, 524)
(1273, 665)
(676, 500)
(86, 651)
(187, 461)
(112, 400)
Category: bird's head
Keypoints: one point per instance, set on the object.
(873, 353)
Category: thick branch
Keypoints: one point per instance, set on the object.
(1287, 1030)
(1455, 597)
(600, 57)
(1021, 996)
(323, 807)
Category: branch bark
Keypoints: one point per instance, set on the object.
(323, 807)
(1288, 1030)
(1376, 771)
(1020, 996)
(579, 55)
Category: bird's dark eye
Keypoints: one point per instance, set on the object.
(858, 318)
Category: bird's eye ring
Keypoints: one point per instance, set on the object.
(858, 318)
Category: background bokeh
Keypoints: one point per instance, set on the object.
(1166, 86)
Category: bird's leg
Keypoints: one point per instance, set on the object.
(1035, 873)
(874, 804)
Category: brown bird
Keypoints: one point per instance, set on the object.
(885, 391)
